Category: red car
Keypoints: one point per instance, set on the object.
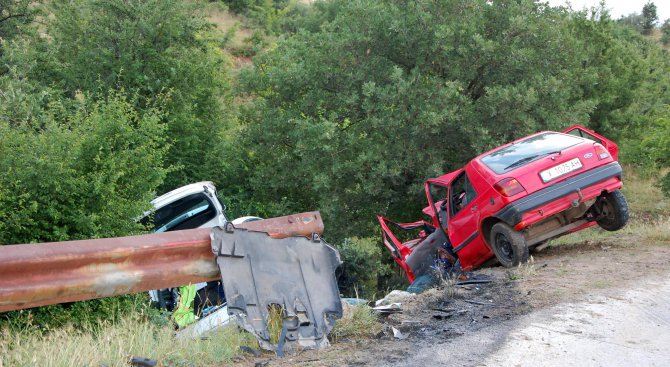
(515, 197)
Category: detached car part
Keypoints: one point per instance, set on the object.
(295, 275)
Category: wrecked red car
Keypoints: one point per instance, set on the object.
(513, 198)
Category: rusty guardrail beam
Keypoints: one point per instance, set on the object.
(35, 275)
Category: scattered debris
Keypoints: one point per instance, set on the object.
(446, 315)
(355, 301)
(394, 297)
(483, 303)
(397, 334)
(474, 281)
(255, 352)
(143, 362)
(216, 318)
(389, 309)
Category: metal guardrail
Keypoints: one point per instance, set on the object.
(42, 274)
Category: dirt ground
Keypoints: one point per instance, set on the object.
(598, 298)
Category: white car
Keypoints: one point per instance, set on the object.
(191, 206)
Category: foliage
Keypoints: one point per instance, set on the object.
(162, 52)
(665, 32)
(650, 17)
(364, 269)
(623, 73)
(655, 146)
(272, 16)
(14, 15)
(351, 115)
(634, 20)
(77, 178)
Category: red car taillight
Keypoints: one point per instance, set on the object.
(509, 186)
(601, 152)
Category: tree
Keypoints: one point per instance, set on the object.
(352, 114)
(14, 15)
(161, 52)
(650, 17)
(85, 176)
(665, 32)
(634, 20)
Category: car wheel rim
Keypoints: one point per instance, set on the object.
(504, 246)
(607, 210)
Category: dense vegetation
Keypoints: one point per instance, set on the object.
(347, 107)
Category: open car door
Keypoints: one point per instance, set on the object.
(402, 250)
(581, 131)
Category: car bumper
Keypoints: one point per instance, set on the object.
(560, 196)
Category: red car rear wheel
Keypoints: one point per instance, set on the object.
(613, 210)
(508, 245)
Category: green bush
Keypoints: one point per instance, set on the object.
(88, 176)
(163, 52)
(365, 270)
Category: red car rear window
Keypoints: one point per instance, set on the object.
(525, 151)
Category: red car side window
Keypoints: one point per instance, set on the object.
(462, 193)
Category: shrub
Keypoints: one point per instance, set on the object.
(364, 266)
(89, 175)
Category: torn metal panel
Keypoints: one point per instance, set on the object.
(303, 224)
(296, 274)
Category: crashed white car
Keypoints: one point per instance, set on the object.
(191, 206)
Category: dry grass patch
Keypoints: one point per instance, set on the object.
(113, 344)
(645, 199)
(357, 322)
(523, 271)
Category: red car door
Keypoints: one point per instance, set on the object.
(462, 212)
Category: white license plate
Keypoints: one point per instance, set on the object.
(561, 169)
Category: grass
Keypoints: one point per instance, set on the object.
(522, 271)
(226, 22)
(637, 231)
(357, 322)
(275, 320)
(644, 197)
(113, 344)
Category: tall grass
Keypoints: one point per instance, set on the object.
(112, 345)
(357, 322)
(644, 196)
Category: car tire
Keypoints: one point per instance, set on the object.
(613, 210)
(508, 245)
